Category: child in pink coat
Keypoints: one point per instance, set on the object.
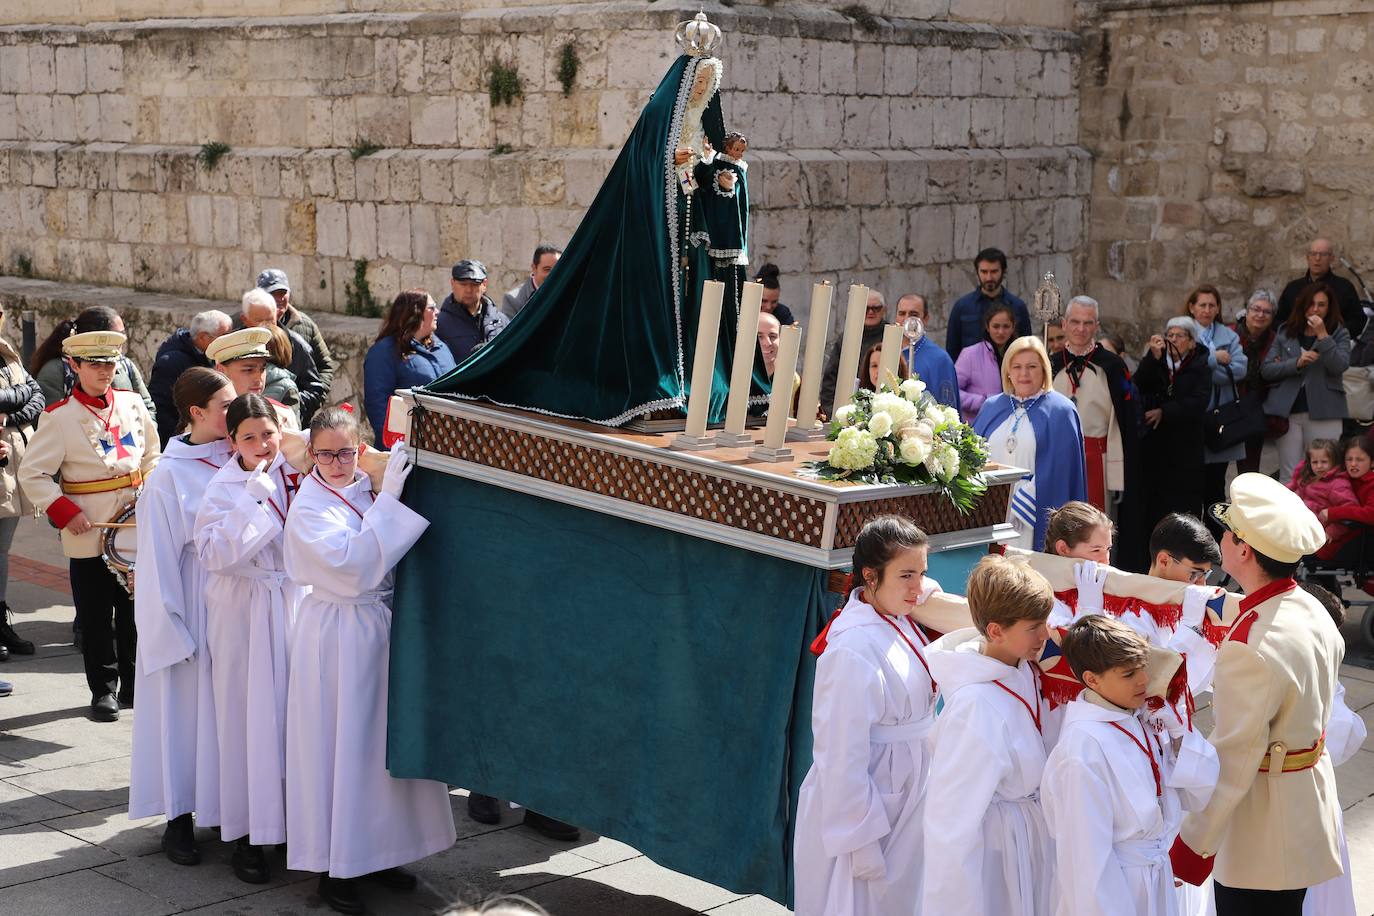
(1322, 482)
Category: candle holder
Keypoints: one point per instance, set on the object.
(808, 428)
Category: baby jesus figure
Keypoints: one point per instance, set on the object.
(722, 201)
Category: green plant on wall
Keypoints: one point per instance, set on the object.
(363, 147)
(211, 153)
(504, 85)
(567, 67)
(862, 17)
(25, 265)
(358, 298)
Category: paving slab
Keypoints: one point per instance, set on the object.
(34, 851)
(640, 877)
(1355, 779)
(110, 828)
(81, 892)
(751, 906)
(83, 787)
(506, 861)
(19, 806)
(197, 886)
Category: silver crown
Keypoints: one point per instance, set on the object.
(697, 37)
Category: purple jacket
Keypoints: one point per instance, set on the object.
(980, 377)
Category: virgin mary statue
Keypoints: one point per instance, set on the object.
(608, 334)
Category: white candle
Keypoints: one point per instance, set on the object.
(849, 347)
(704, 358)
(892, 351)
(746, 340)
(814, 366)
(780, 401)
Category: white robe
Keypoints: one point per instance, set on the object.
(175, 765)
(987, 850)
(1345, 735)
(1112, 832)
(249, 605)
(345, 813)
(872, 708)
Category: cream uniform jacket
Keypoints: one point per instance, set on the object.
(1274, 690)
(88, 439)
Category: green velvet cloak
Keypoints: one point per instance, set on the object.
(610, 334)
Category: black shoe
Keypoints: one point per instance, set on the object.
(484, 809)
(341, 894)
(10, 639)
(126, 698)
(553, 829)
(179, 841)
(398, 879)
(105, 709)
(250, 865)
(6, 688)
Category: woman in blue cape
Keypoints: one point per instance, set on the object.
(1030, 425)
(607, 336)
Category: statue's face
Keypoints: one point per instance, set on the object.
(704, 80)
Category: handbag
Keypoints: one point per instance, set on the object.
(1359, 393)
(1235, 422)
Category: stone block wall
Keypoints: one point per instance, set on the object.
(1224, 137)
(887, 151)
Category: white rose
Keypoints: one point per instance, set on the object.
(951, 416)
(913, 451)
(912, 388)
(898, 408)
(880, 424)
(845, 414)
(925, 430)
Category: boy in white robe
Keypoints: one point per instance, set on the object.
(987, 850)
(346, 816)
(1114, 790)
(858, 834)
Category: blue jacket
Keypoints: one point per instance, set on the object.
(966, 319)
(1060, 472)
(384, 374)
(1220, 337)
(934, 367)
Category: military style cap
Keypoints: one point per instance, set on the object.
(470, 270)
(95, 346)
(273, 280)
(1270, 518)
(242, 344)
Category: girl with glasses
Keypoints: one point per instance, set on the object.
(346, 542)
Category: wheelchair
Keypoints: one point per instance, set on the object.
(1353, 568)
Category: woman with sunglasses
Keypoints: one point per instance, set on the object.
(1175, 385)
(346, 816)
(406, 354)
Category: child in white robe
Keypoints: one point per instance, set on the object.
(175, 767)
(346, 816)
(250, 605)
(987, 851)
(1114, 790)
(858, 833)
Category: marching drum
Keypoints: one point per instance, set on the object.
(119, 546)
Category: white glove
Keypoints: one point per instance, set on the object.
(260, 486)
(1169, 720)
(1091, 578)
(398, 468)
(1195, 598)
(867, 862)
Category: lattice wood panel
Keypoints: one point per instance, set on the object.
(933, 512)
(786, 516)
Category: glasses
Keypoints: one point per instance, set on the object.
(1196, 574)
(873, 308)
(1252, 310)
(344, 456)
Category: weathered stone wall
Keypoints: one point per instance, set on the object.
(1224, 137)
(888, 156)
(1055, 13)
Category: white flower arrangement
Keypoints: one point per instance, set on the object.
(901, 435)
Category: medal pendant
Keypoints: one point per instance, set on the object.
(1011, 443)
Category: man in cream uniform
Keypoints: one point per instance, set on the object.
(242, 356)
(1273, 823)
(100, 442)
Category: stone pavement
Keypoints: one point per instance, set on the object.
(67, 846)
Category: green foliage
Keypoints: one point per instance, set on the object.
(567, 67)
(504, 85)
(25, 265)
(862, 17)
(501, 149)
(211, 153)
(358, 298)
(363, 147)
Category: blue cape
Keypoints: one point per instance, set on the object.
(934, 367)
(1060, 473)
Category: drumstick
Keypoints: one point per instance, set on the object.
(113, 525)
